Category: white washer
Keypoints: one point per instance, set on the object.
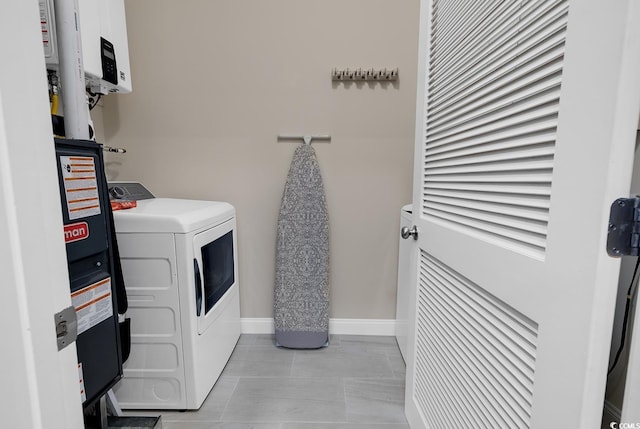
(179, 260)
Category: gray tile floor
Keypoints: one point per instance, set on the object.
(355, 383)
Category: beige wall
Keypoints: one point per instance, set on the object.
(216, 81)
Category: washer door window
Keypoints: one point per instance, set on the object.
(214, 269)
(217, 269)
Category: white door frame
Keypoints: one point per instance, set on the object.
(40, 383)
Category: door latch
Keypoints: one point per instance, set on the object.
(406, 232)
(623, 237)
(66, 323)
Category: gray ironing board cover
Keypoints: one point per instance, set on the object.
(301, 301)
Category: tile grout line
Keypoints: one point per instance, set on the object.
(346, 406)
(393, 371)
(226, 404)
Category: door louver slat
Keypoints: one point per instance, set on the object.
(510, 229)
(488, 380)
(502, 52)
(526, 201)
(540, 93)
(493, 90)
(500, 145)
(454, 25)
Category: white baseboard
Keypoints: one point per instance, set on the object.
(362, 326)
(386, 327)
(256, 325)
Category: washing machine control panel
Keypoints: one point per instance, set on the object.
(129, 191)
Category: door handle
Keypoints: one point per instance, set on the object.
(198, 281)
(407, 232)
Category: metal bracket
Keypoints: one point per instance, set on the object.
(306, 138)
(66, 324)
(623, 237)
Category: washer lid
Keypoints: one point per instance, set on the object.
(172, 215)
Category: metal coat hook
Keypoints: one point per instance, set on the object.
(307, 139)
(114, 149)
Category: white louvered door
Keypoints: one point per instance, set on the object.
(525, 132)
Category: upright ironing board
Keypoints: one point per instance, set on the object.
(301, 301)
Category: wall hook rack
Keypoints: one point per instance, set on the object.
(307, 138)
(362, 74)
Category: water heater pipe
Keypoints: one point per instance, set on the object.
(72, 86)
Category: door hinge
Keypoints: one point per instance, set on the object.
(623, 237)
(66, 327)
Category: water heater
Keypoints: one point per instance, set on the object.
(105, 50)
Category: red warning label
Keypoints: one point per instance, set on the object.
(93, 304)
(76, 232)
(80, 186)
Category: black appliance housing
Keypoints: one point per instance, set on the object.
(91, 262)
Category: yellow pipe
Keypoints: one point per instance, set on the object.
(54, 104)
